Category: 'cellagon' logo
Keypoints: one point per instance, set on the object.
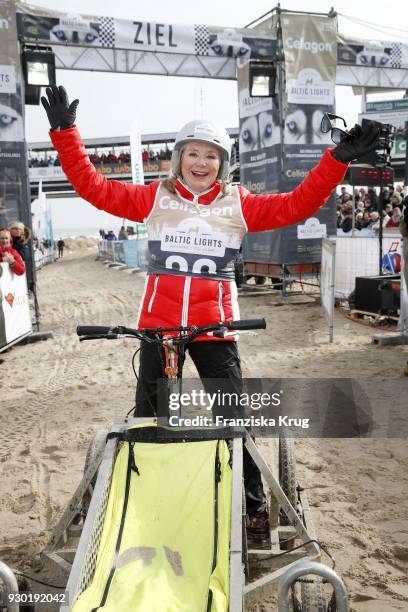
(308, 45)
(166, 203)
(4, 24)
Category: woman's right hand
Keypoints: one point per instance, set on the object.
(7, 258)
(60, 113)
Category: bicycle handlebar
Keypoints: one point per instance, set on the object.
(104, 331)
(247, 324)
(94, 330)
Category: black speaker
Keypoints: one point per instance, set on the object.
(378, 294)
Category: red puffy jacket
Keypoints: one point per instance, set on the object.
(18, 267)
(170, 300)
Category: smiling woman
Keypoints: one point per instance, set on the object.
(200, 164)
(191, 259)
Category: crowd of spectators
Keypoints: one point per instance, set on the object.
(43, 162)
(153, 156)
(110, 157)
(367, 206)
(149, 154)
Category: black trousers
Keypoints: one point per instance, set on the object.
(213, 360)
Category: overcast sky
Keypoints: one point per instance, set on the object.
(108, 102)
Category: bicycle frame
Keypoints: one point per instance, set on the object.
(174, 340)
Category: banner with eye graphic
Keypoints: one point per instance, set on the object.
(13, 186)
(279, 145)
(147, 47)
(310, 49)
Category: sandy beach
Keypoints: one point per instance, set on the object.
(55, 394)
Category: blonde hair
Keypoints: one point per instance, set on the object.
(169, 182)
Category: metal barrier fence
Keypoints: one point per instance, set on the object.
(403, 322)
(359, 256)
(44, 257)
(327, 282)
(132, 253)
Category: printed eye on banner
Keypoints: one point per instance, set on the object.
(374, 55)
(234, 43)
(68, 29)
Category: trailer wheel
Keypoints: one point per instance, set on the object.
(312, 596)
(287, 480)
(287, 471)
(260, 280)
(239, 273)
(24, 587)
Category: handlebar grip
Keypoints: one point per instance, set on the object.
(247, 324)
(93, 330)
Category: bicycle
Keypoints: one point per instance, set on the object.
(104, 450)
(174, 341)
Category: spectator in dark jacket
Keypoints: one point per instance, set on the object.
(123, 235)
(60, 246)
(20, 235)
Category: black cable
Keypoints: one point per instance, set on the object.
(52, 586)
(144, 344)
(286, 552)
(362, 21)
(379, 29)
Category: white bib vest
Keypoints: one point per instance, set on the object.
(191, 239)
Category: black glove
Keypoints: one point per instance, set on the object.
(60, 113)
(358, 143)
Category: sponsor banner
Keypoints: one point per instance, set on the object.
(42, 219)
(310, 47)
(372, 54)
(283, 246)
(312, 228)
(8, 79)
(394, 112)
(133, 253)
(11, 120)
(108, 32)
(270, 166)
(310, 51)
(15, 320)
(48, 172)
(14, 203)
(136, 153)
(56, 172)
(260, 151)
(386, 106)
(118, 251)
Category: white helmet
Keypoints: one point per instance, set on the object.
(207, 132)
